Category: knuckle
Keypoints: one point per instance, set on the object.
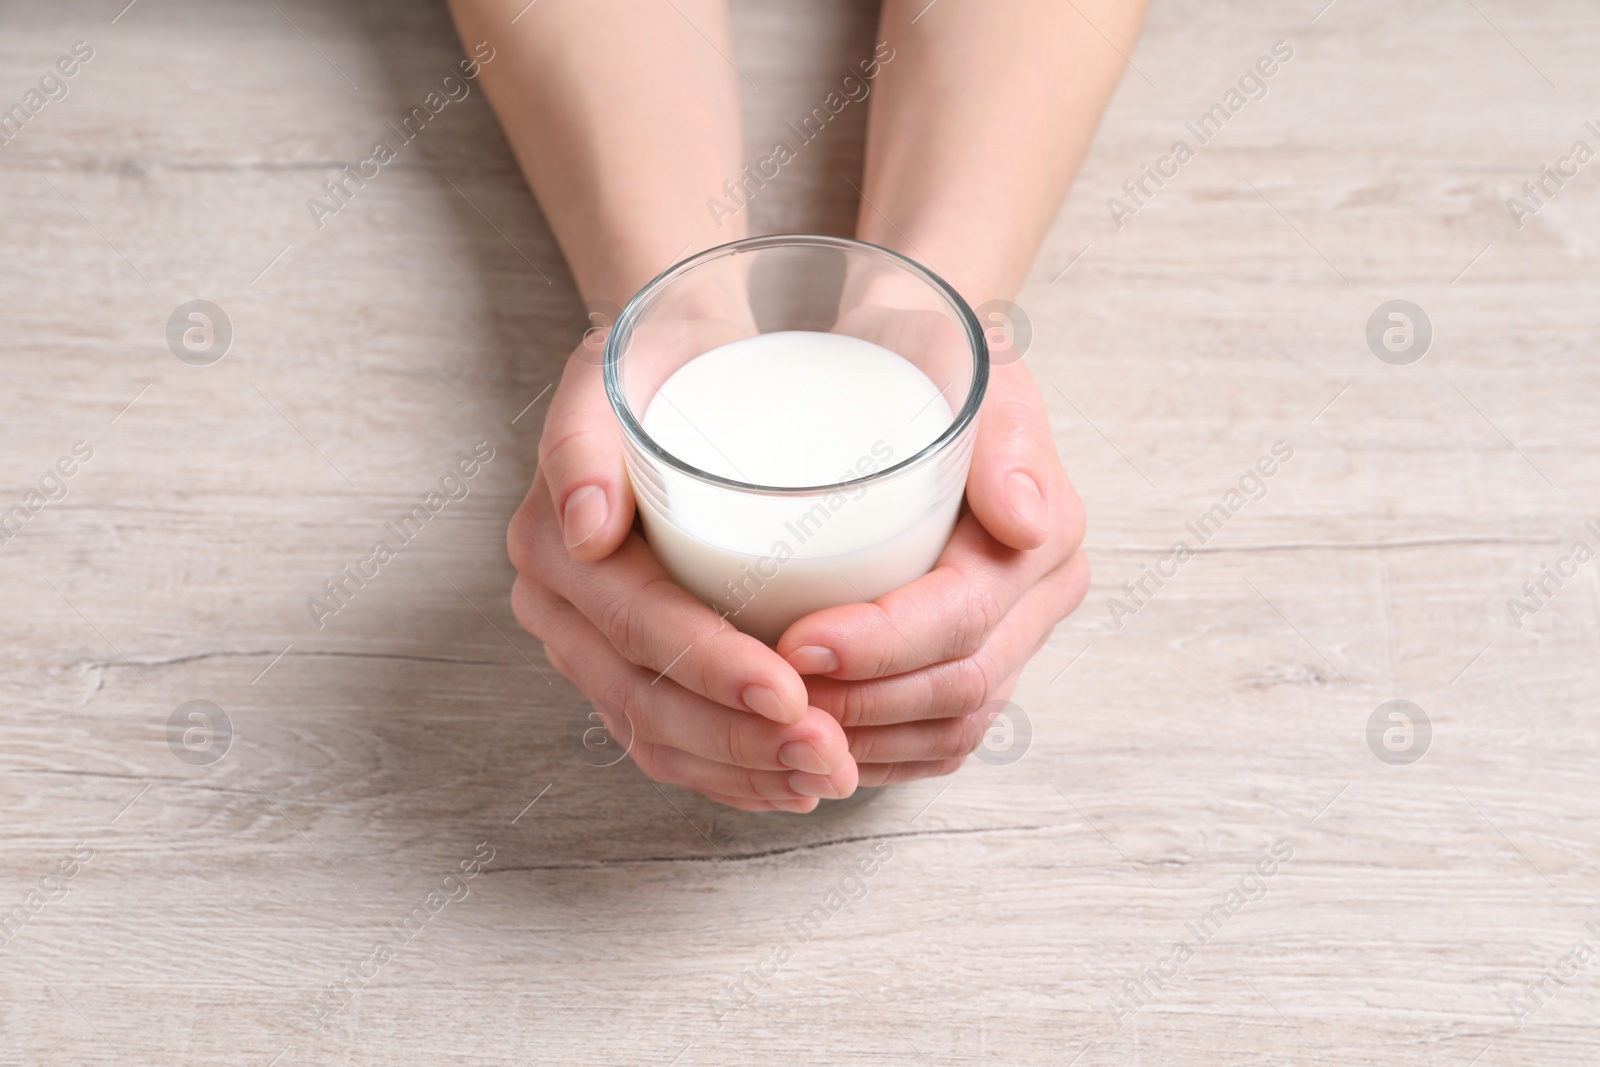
(525, 608)
(615, 622)
(541, 613)
(625, 622)
(519, 542)
(648, 759)
(879, 654)
(959, 736)
(623, 696)
(734, 745)
(989, 668)
(667, 767)
(558, 662)
(863, 745)
(708, 656)
(857, 706)
(1065, 588)
(981, 612)
(1017, 419)
(748, 783)
(560, 438)
(951, 738)
(883, 773)
(971, 686)
(740, 782)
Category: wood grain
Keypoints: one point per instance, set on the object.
(1170, 750)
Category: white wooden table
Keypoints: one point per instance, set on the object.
(180, 912)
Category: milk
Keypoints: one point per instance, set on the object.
(796, 409)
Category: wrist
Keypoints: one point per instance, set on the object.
(618, 266)
(971, 261)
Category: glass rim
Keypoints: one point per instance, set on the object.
(623, 328)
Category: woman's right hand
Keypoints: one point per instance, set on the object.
(702, 705)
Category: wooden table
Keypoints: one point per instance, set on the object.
(190, 911)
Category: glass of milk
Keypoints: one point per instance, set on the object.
(797, 417)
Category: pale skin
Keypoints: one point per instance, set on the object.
(625, 120)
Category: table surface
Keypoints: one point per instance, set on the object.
(402, 803)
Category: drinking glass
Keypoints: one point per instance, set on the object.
(765, 555)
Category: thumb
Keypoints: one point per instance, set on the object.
(1015, 471)
(580, 453)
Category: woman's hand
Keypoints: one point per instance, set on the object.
(703, 705)
(912, 676)
(904, 686)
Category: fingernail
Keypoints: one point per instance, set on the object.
(802, 756)
(584, 514)
(764, 702)
(813, 785)
(1022, 493)
(814, 659)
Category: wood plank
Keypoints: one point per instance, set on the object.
(1009, 906)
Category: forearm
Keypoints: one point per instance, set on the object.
(979, 124)
(623, 119)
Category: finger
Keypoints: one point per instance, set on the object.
(653, 622)
(802, 806)
(957, 687)
(661, 712)
(580, 455)
(667, 764)
(1016, 482)
(945, 614)
(929, 739)
(874, 774)
(942, 615)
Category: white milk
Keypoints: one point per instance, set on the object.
(795, 409)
